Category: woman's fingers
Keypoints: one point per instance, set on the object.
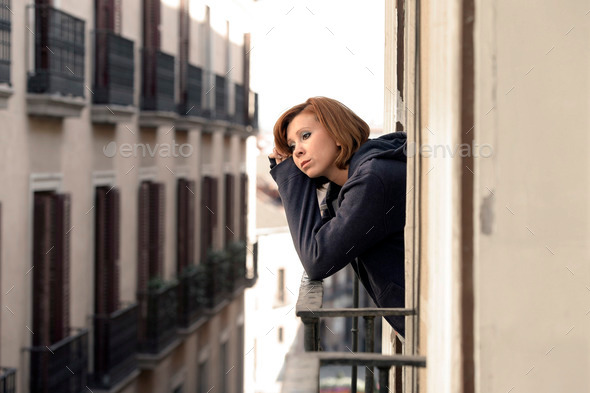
(277, 156)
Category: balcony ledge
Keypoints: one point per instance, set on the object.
(148, 361)
(188, 122)
(112, 114)
(187, 331)
(121, 385)
(5, 93)
(156, 118)
(54, 105)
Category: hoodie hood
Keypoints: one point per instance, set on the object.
(390, 146)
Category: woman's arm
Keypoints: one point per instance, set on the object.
(326, 245)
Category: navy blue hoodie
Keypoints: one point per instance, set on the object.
(367, 223)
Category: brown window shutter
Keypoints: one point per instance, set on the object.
(230, 230)
(42, 260)
(143, 236)
(151, 24)
(113, 245)
(156, 229)
(205, 219)
(208, 209)
(244, 206)
(181, 224)
(100, 250)
(190, 225)
(104, 14)
(184, 42)
(60, 271)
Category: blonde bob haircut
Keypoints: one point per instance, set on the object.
(343, 125)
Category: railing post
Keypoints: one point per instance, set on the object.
(355, 329)
(370, 347)
(383, 379)
(311, 339)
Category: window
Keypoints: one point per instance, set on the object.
(223, 366)
(281, 286)
(203, 377)
(51, 262)
(280, 334)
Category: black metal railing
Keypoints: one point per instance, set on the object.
(7, 380)
(158, 318)
(114, 69)
(253, 112)
(115, 344)
(192, 295)
(5, 41)
(58, 52)
(220, 277)
(61, 367)
(157, 88)
(240, 105)
(191, 100)
(220, 110)
(309, 309)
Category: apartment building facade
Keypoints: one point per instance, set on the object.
(125, 246)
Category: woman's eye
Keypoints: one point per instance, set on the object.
(291, 148)
(305, 135)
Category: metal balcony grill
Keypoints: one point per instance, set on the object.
(191, 100)
(220, 111)
(240, 105)
(61, 367)
(157, 88)
(7, 380)
(158, 318)
(115, 344)
(192, 295)
(59, 48)
(114, 69)
(5, 41)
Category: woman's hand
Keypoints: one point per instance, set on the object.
(277, 156)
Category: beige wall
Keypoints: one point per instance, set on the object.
(532, 269)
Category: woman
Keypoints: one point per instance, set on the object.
(361, 220)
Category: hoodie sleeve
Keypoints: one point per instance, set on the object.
(326, 245)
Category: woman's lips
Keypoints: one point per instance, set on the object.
(304, 163)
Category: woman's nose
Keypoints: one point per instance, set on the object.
(298, 150)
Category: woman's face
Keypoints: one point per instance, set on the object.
(314, 150)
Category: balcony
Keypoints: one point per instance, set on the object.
(113, 85)
(306, 367)
(191, 101)
(240, 105)
(219, 110)
(158, 318)
(115, 344)
(7, 380)
(61, 367)
(5, 44)
(253, 110)
(192, 295)
(56, 80)
(157, 88)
